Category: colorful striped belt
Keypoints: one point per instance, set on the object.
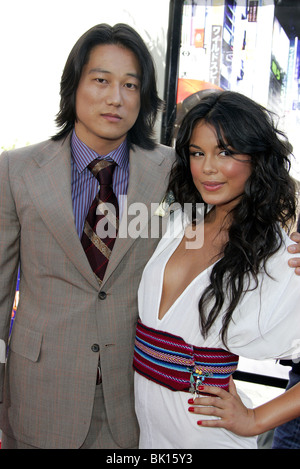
(169, 361)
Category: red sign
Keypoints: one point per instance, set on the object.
(199, 38)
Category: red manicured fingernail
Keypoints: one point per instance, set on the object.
(191, 401)
(199, 422)
(200, 388)
(191, 409)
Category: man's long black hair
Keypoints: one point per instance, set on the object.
(142, 133)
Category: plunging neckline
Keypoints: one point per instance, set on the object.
(185, 290)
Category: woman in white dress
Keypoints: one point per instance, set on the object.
(218, 285)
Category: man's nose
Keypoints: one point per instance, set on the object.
(114, 95)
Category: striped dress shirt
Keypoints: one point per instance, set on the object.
(84, 186)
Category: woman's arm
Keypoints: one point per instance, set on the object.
(234, 416)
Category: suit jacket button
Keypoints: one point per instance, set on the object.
(95, 348)
(102, 295)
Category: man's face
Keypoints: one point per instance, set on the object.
(107, 97)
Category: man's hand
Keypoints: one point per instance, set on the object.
(293, 249)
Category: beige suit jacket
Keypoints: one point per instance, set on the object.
(48, 383)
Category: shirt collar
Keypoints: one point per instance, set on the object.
(83, 155)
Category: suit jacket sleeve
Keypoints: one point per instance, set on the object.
(9, 258)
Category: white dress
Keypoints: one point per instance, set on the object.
(266, 325)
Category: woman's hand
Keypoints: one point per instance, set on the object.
(293, 249)
(228, 407)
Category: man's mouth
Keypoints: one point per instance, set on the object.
(111, 117)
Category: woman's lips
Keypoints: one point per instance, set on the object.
(212, 185)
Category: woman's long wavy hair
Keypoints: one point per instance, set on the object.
(268, 202)
(142, 133)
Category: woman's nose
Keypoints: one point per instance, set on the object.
(209, 165)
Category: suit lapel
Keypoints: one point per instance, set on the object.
(48, 181)
(147, 183)
(49, 184)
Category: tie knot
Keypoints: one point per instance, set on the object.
(102, 170)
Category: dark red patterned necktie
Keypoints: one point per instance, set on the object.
(102, 221)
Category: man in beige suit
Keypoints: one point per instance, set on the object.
(68, 380)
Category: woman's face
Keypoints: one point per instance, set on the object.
(218, 176)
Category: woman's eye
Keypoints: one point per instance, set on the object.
(225, 153)
(197, 154)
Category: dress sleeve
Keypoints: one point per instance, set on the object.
(267, 324)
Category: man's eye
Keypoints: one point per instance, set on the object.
(131, 86)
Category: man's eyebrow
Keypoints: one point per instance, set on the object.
(98, 69)
(102, 70)
(134, 75)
